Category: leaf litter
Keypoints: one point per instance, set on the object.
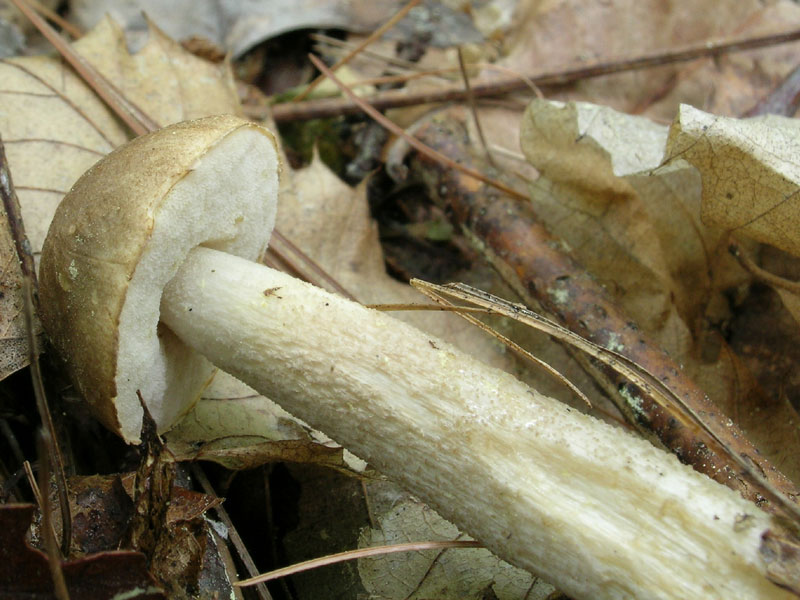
(677, 312)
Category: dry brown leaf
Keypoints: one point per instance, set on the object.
(749, 170)
(13, 331)
(637, 235)
(560, 33)
(54, 128)
(635, 224)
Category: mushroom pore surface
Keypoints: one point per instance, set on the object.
(114, 245)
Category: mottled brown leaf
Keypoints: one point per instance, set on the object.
(24, 573)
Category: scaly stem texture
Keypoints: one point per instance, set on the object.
(594, 510)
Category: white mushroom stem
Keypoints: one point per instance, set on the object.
(594, 510)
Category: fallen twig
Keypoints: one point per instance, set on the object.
(334, 107)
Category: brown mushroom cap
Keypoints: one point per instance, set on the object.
(121, 234)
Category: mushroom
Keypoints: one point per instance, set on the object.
(148, 280)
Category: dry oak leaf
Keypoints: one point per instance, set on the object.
(750, 172)
(635, 224)
(557, 34)
(591, 194)
(13, 331)
(54, 128)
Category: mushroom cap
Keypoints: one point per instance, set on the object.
(121, 234)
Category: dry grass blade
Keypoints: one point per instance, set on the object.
(623, 365)
(356, 554)
(463, 312)
(473, 107)
(352, 54)
(424, 149)
(48, 534)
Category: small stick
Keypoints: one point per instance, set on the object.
(749, 265)
(48, 534)
(132, 115)
(315, 268)
(335, 107)
(57, 19)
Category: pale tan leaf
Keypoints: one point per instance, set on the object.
(620, 226)
(442, 574)
(235, 426)
(163, 79)
(13, 333)
(54, 128)
(556, 34)
(636, 226)
(750, 172)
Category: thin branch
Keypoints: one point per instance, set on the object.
(48, 534)
(315, 268)
(335, 43)
(56, 18)
(233, 534)
(334, 107)
(353, 53)
(25, 255)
